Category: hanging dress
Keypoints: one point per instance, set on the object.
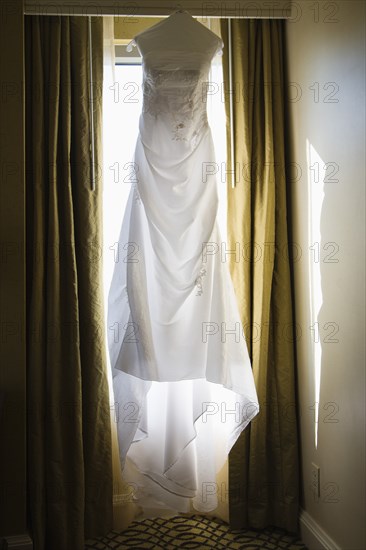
(182, 378)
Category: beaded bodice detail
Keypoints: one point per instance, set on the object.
(175, 91)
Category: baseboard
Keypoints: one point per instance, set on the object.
(313, 536)
(16, 542)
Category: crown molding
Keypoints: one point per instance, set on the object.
(160, 8)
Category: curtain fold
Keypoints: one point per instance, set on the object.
(69, 435)
(263, 465)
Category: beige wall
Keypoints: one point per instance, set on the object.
(324, 48)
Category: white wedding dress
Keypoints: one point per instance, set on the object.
(182, 377)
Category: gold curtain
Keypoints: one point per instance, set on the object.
(263, 465)
(69, 434)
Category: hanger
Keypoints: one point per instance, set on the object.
(180, 10)
(133, 44)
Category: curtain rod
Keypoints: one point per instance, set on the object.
(273, 9)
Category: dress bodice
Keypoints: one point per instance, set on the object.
(176, 55)
(175, 85)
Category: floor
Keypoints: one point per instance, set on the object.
(195, 532)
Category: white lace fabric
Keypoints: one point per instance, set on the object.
(177, 90)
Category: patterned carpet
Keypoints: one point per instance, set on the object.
(195, 532)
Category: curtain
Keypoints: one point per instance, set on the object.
(69, 434)
(263, 465)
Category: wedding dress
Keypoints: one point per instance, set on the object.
(182, 378)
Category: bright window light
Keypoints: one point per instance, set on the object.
(316, 179)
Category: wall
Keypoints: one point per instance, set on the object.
(326, 48)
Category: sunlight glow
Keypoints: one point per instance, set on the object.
(122, 100)
(316, 177)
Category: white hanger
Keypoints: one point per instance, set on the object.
(133, 44)
(130, 45)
